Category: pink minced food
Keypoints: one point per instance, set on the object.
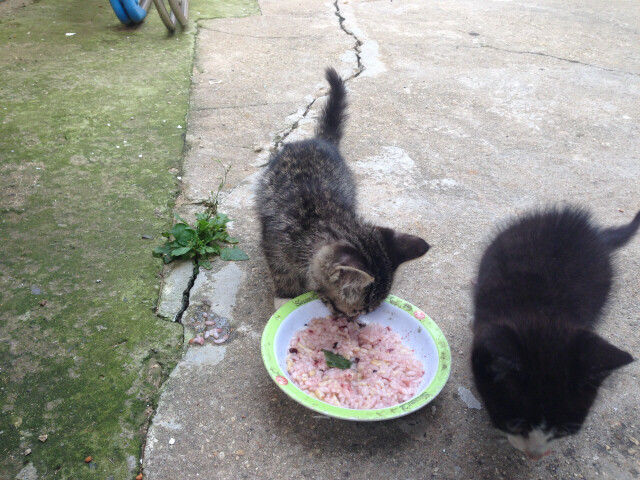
(383, 371)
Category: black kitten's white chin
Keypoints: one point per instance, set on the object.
(535, 445)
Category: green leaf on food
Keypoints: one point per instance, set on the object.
(335, 360)
(233, 254)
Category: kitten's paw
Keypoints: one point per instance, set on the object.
(278, 302)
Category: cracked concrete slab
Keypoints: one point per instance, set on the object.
(258, 73)
(481, 111)
(175, 282)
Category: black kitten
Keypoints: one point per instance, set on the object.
(312, 237)
(542, 285)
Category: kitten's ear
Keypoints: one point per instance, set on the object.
(495, 353)
(352, 277)
(349, 268)
(597, 358)
(402, 247)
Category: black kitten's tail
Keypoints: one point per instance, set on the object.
(333, 113)
(617, 236)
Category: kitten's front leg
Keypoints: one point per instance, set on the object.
(278, 302)
(289, 284)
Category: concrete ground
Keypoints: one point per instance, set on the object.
(462, 114)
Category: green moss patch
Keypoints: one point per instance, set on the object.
(91, 139)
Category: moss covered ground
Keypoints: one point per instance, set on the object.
(91, 139)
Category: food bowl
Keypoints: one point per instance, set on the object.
(415, 328)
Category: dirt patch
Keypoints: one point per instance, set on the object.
(7, 6)
(19, 181)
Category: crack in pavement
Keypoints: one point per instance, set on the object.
(281, 137)
(358, 45)
(186, 295)
(578, 62)
(279, 141)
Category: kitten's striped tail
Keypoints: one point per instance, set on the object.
(333, 113)
(617, 236)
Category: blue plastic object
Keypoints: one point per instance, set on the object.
(136, 12)
(128, 11)
(120, 12)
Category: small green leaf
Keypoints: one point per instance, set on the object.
(205, 264)
(183, 233)
(203, 224)
(160, 251)
(177, 228)
(221, 219)
(335, 360)
(205, 237)
(180, 251)
(233, 254)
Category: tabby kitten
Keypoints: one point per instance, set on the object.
(542, 285)
(312, 237)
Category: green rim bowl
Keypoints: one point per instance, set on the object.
(415, 328)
